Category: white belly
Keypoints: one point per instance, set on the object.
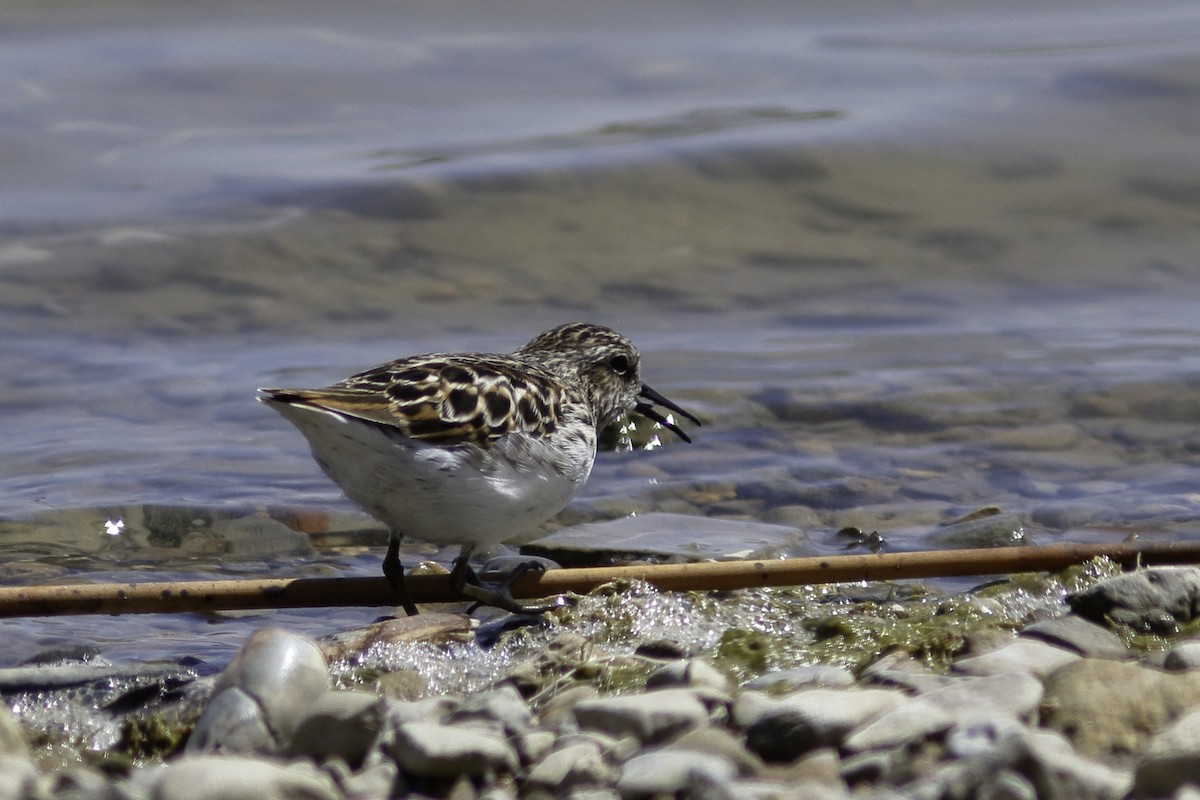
(460, 494)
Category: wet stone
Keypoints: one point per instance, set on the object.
(1079, 635)
(214, 777)
(651, 717)
(276, 672)
(1183, 656)
(259, 535)
(233, 722)
(12, 737)
(808, 676)
(1171, 760)
(341, 724)
(1028, 656)
(667, 535)
(667, 772)
(430, 750)
(1109, 707)
(694, 673)
(1001, 530)
(503, 706)
(1154, 600)
(784, 729)
(580, 763)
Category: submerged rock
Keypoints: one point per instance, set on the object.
(659, 535)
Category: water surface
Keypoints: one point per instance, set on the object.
(906, 262)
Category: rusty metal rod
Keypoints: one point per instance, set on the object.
(190, 596)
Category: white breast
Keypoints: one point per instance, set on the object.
(457, 494)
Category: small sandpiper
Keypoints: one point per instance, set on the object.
(473, 448)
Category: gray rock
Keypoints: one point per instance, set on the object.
(232, 722)
(901, 670)
(959, 705)
(809, 719)
(19, 778)
(1172, 759)
(282, 674)
(915, 720)
(503, 705)
(1018, 694)
(429, 750)
(560, 709)
(1056, 770)
(719, 743)
(1078, 634)
(694, 673)
(341, 724)
(1183, 656)
(650, 717)
(533, 745)
(215, 777)
(1154, 600)
(808, 676)
(577, 764)
(669, 772)
(1020, 655)
(375, 780)
(259, 535)
(1113, 707)
(671, 535)
(12, 736)
(987, 736)
(999, 530)
(84, 783)
(616, 749)
(430, 709)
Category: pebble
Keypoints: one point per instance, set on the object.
(672, 772)
(694, 673)
(1153, 600)
(341, 724)
(261, 696)
(576, 764)
(1183, 656)
(812, 675)
(12, 737)
(218, 777)
(1112, 707)
(666, 535)
(1020, 655)
(1078, 634)
(19, 778)
(429, 750)
(789, 727)
(650, 717)
(1171, 760)
(1063, 709)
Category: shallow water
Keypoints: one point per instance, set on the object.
(905, 262)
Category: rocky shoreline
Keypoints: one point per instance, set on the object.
(1095, 696)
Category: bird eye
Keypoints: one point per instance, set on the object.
(619, 364)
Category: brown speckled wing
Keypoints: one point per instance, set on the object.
(447, 399)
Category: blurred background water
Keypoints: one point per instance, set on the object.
(907, 260)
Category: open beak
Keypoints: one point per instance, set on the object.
(648, 399)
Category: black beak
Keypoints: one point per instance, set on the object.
(646, 408)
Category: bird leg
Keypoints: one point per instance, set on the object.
(465, 581)
(394, 572)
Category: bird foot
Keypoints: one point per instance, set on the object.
(467, 582)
